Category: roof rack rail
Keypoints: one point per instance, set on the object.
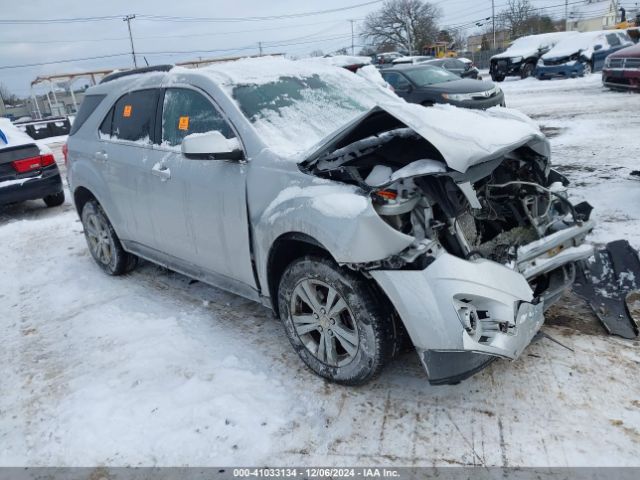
(135, 71)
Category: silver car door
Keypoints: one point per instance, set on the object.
(123, 154)
(198, 206)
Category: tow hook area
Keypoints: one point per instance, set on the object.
(609, 281)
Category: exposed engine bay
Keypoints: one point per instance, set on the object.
(487, 212)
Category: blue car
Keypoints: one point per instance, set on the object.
(581, 54)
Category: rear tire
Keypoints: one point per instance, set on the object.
(334, 321)
(54, 200)
(588, 69)
(103, 243)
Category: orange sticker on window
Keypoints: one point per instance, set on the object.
(183, 123)
(127, 111)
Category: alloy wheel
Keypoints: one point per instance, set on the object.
(100, 241)
(324, 322)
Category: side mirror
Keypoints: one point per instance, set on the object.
(597, 47)
(408, 88)
(211, 145)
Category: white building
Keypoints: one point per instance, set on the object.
(592, 15)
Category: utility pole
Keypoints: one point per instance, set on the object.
(493, 21)
(260, 47)
(566, 15)
(352, 45)
(128, 19)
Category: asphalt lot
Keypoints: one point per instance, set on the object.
(152, 369)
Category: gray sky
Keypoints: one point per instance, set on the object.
(26, 44)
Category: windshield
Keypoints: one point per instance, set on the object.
(430, 75)
(293, 113)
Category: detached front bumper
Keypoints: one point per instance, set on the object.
(463, 314)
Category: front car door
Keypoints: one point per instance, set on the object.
(198, 206)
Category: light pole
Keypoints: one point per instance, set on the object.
(493, 21)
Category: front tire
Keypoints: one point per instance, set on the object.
(496, 77)
(527, 70)
(587, 70)
(104, 245)
(54, 200)
(334, 321)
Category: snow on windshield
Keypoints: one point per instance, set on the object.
(295, 104)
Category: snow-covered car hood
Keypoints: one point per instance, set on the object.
(463, 137)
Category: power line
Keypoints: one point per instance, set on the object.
(3, 67)
(167, 18)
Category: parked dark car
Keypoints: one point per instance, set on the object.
(453, 65)
(622, 69)
(428, 85)
(27, 171)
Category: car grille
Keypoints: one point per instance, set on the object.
(624, 63)
(632, 63)
(555, 61)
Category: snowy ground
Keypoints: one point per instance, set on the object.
(150, 369)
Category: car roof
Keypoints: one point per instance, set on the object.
(405, 67)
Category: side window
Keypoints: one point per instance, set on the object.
(133, 116)
(454, 65)
(89, 104)
(185, 112)
(105, 126)
(397, 81)
(613, 39)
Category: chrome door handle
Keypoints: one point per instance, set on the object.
(161, 171)
(101, 156)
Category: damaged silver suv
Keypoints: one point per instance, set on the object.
(363, 221)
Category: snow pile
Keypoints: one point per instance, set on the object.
(372, 74)
(340, 60)
(529, 45)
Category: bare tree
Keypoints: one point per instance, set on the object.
(8, 97)
(407, 24)
(516, 17)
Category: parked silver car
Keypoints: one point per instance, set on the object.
(363, 221)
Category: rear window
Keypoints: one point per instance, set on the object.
(133, 116)
(87, 107)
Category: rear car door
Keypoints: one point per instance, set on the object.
(124, 157)
(198, 206)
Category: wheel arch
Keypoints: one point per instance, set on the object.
(81, 196)
(284, 250)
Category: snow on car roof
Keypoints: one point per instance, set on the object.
(525, 46)
(582, 41)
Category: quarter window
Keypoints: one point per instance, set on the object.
(186, 112)
(133, 116)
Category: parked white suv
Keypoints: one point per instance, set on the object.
(358, 218)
